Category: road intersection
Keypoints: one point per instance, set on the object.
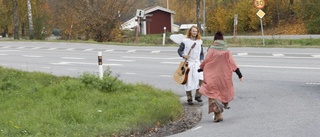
(279, 97)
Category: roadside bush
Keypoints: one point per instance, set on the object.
(313, 26)
(106, 84)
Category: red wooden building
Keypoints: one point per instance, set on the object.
(154, 21)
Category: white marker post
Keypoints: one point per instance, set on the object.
(100, 65)
(235, 28)
(164, 36)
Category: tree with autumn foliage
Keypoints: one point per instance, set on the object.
(296, 16)
(15, 15)
(100, 20)
(309, 11)
(94, 19)
(91, 19)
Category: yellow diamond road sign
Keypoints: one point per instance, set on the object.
(260, 13)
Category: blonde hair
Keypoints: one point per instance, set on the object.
(189, 32)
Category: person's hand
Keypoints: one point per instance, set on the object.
(186, 56)
(241, 79)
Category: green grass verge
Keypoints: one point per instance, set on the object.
(40, 104)
(156, 40)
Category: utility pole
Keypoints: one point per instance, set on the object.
(198, 15)
(204, 17)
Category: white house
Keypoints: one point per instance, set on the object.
(128, 25)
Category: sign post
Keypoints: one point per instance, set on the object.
(137, 31)
(139, 14)
(260, 4)
(260, 13)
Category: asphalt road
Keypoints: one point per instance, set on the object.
(280, 95)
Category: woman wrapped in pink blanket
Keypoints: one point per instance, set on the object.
(217, 85)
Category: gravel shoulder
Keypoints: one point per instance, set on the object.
(192, 116)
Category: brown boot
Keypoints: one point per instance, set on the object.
(198, 96)
(217, 117)
(189, 96)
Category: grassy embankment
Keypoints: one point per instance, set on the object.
(39, 104)
(156, 40)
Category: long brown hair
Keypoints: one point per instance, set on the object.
(189, 32)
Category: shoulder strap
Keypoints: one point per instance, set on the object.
(194, 44)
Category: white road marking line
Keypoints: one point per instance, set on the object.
(128, 73)
(61, 63)
(196, 128)
(242, 54)
(109, 50)
(112, 65)
(121, 60)
(174, 58)
(259, 66)
(309, 83)
(84, 63)
(32, 56)
(167, 76)
(279, 67)
(5, 47)
(8, 50)
(286, 57)
(155, 51)
(70, 49)
(71, 58)
(20, 47)
(170, 62)
(316, 56)
(278, 55)
(36, 48)
(52, 48)
(46, 67)
(131, 51)
(88, 49)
